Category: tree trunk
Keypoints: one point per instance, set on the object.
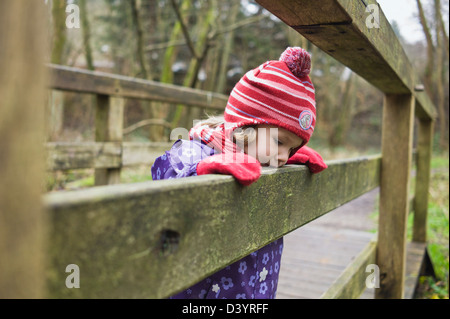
(442, 31)
(86, 29)
(434, 70)
(344, 114)
(440, 77)
(227, 49)
(144, 73)
(55, 107)
(154, 132)
(199, 53)
(164, 110)
(59, 30)
(428, 81)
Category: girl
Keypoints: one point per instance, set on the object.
(269, 118)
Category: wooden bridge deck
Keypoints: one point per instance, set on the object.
(317, 253)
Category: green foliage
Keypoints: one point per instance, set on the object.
(136, 174)
(440, 162)
(69, 180)
(429, 288)
(438, 231)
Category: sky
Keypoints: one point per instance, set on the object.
(405, 13)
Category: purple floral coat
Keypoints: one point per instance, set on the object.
(254, 276)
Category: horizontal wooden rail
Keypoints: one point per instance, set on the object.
(65, 156)
(84, 81)
(152, 239)
(81, 155)
(346, 31)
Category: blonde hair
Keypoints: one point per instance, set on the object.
(241, 136)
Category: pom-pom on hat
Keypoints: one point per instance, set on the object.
(279, 93)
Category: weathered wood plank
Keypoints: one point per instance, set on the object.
(415, 257)
(65, 156)
(398, 120)
(145, 240)
(304, 13)
(83, 81)
(339, 28)
(416, 260)
(352, 282)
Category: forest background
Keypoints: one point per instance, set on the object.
(209, 45)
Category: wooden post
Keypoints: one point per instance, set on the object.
(424, 151)
(22, 109)
(398, 119)
(108, 128)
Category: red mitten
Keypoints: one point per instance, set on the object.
(310, 157)
(244, 168)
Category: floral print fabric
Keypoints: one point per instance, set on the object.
(253, 277)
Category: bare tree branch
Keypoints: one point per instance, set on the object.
(441, 29)
(430, 49)
(140, 39)
(184, 29)
(143, 123)
(243, 23)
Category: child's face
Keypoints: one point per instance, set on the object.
(273, 145)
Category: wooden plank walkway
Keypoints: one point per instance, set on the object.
(317, 253)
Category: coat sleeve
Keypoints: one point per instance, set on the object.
(181, 160)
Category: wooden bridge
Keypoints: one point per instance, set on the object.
(133, 240)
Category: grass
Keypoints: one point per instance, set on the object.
(438, 231)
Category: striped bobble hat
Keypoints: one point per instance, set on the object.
(279, 93)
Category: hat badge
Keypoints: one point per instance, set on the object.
(305, 120)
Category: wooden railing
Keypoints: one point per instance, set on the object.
(135, 240)
(108, 154)
(147, 240)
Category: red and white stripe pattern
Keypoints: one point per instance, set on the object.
(272, 94)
